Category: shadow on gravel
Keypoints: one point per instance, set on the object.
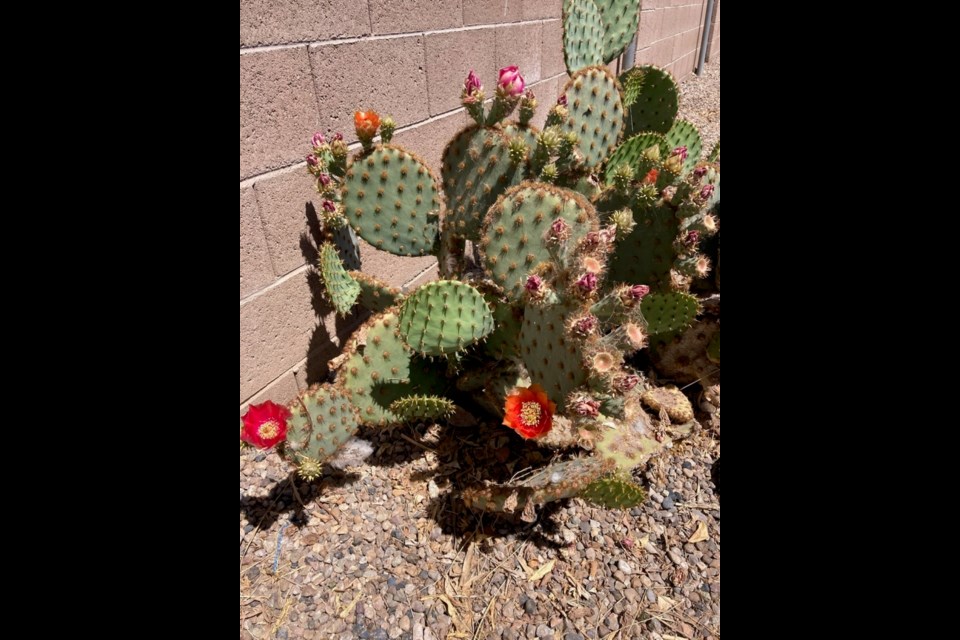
(268, 509)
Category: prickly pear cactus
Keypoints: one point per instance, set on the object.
(617, 491)
(620, 20)
(390, 198)
(553, 359)
(635, 153)
(595, 110)
(669, 311)
(375, 295)
(417, 407)
(684, 134)
(341, 288)
(444, 317)
(583, 34)
(647, 254)
(323, 419)
(651, 98)
(514, 235)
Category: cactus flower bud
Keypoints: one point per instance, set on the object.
(637, 291)
(680, 151)
(668, 193)
(700, 172)
(471, 86)
(651, 177)
(387, 126)
(709, 223)
(528, 104)
(511, 83)
(635, 334)
(318, 140)
(585, 325)
(673, 164)
(366, 123)
(627, 382)
(623, 219)
(339, 148)
(534, 284)
(559, 230)
(622, 177)
(706, 191)
(517, 149)
(692, 238)
(337, 137)
(586, 407)
(329, 206)
(652, 153)
(587, 282)
(562, 100)
(549, 173)
(324, 179)
(703, 266)
(312, 160)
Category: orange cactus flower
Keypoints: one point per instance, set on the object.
(529, 412)
(651, 177)
(367, 123)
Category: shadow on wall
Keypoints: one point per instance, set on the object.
(322, 348)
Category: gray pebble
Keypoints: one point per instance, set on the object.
(667, 503)
(651, 596)
(543, 631)
(625, 566)
(573, 636)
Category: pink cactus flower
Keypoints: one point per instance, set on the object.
(472, 84)
(700, 172)
(534, 284)
(329, 205)
(707, 191)
(511, 82)
(625, 383)
(637, 291)
(680, 151)
(587, 282)
(559, 230)
(692, 238)
(585, 325)
(318, 140)
(586, 407)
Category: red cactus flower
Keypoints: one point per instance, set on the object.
(264, 425)
(367, 123)
(651, 177)
(529, 412)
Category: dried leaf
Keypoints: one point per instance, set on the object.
(542, 571)
(451, 610)
(466, 572)
(700, 534)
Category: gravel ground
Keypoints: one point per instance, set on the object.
(387, 551)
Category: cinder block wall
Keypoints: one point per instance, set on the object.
(306, 65)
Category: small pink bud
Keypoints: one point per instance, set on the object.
(608, 234)
(586, 407)
(707, 191)
(337, 137)
(585, 325)
(312, 160)
(680, 151)
(511, 82)
(329, 205)
(637, 291)
(625, 383)
(700, 172)
(318, 139)
(324, 179)
(562, 100)
(627, 543)
(692, 238)
(587, 282)
(534, 284)
(559, 230)
(472, 84)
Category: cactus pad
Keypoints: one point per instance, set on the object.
(671, 400)
(476, 170)
(504, 341)
(422, 408)
(375, 295)
(684, 356)
(670, 311)
(341, 288)
(630, 153)
(553, 359)
(595, 113)
(682, 133)
(380, 369)
(514, 231)
(345, 240)
(617, 491)
(647, 254)
(620, 20)
(553, 482)
(632, 442)
(651, 98)
(323, 419)
(390, 199)
(444, 317)
(583, 34)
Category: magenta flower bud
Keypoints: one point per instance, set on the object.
(707, 191)
(680, 151)
(324, 179)
(472, 84)
(318, 139)
(587, 282)
(700, 172)
(625, 383)
(692, 238)
(337, 137)
(534, 284)
(608, 234)
(586, 407)
(511, 82)
(562, 100)
(559, 230)
(585, 325)
(312, 160)
(637, 291)
(329, 205)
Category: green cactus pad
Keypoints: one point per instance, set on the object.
(527, 132)
(713, 349)
(714, 153)
(620, 21)
(414, 408)
(444, 317)
(647, 254)
(554, 482)
(595, 110)
(348, 246)
(380, 368)
(513, 235)
(583, 34)
(504, 341)
(670, 311)
(476, 170)
(651, 98)
(632, 442)
(341, 288)
(375, 295)
(390, 199)
(617, 491)
(630, 153)
(682, 133)
(553, 359)
(323, 419)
